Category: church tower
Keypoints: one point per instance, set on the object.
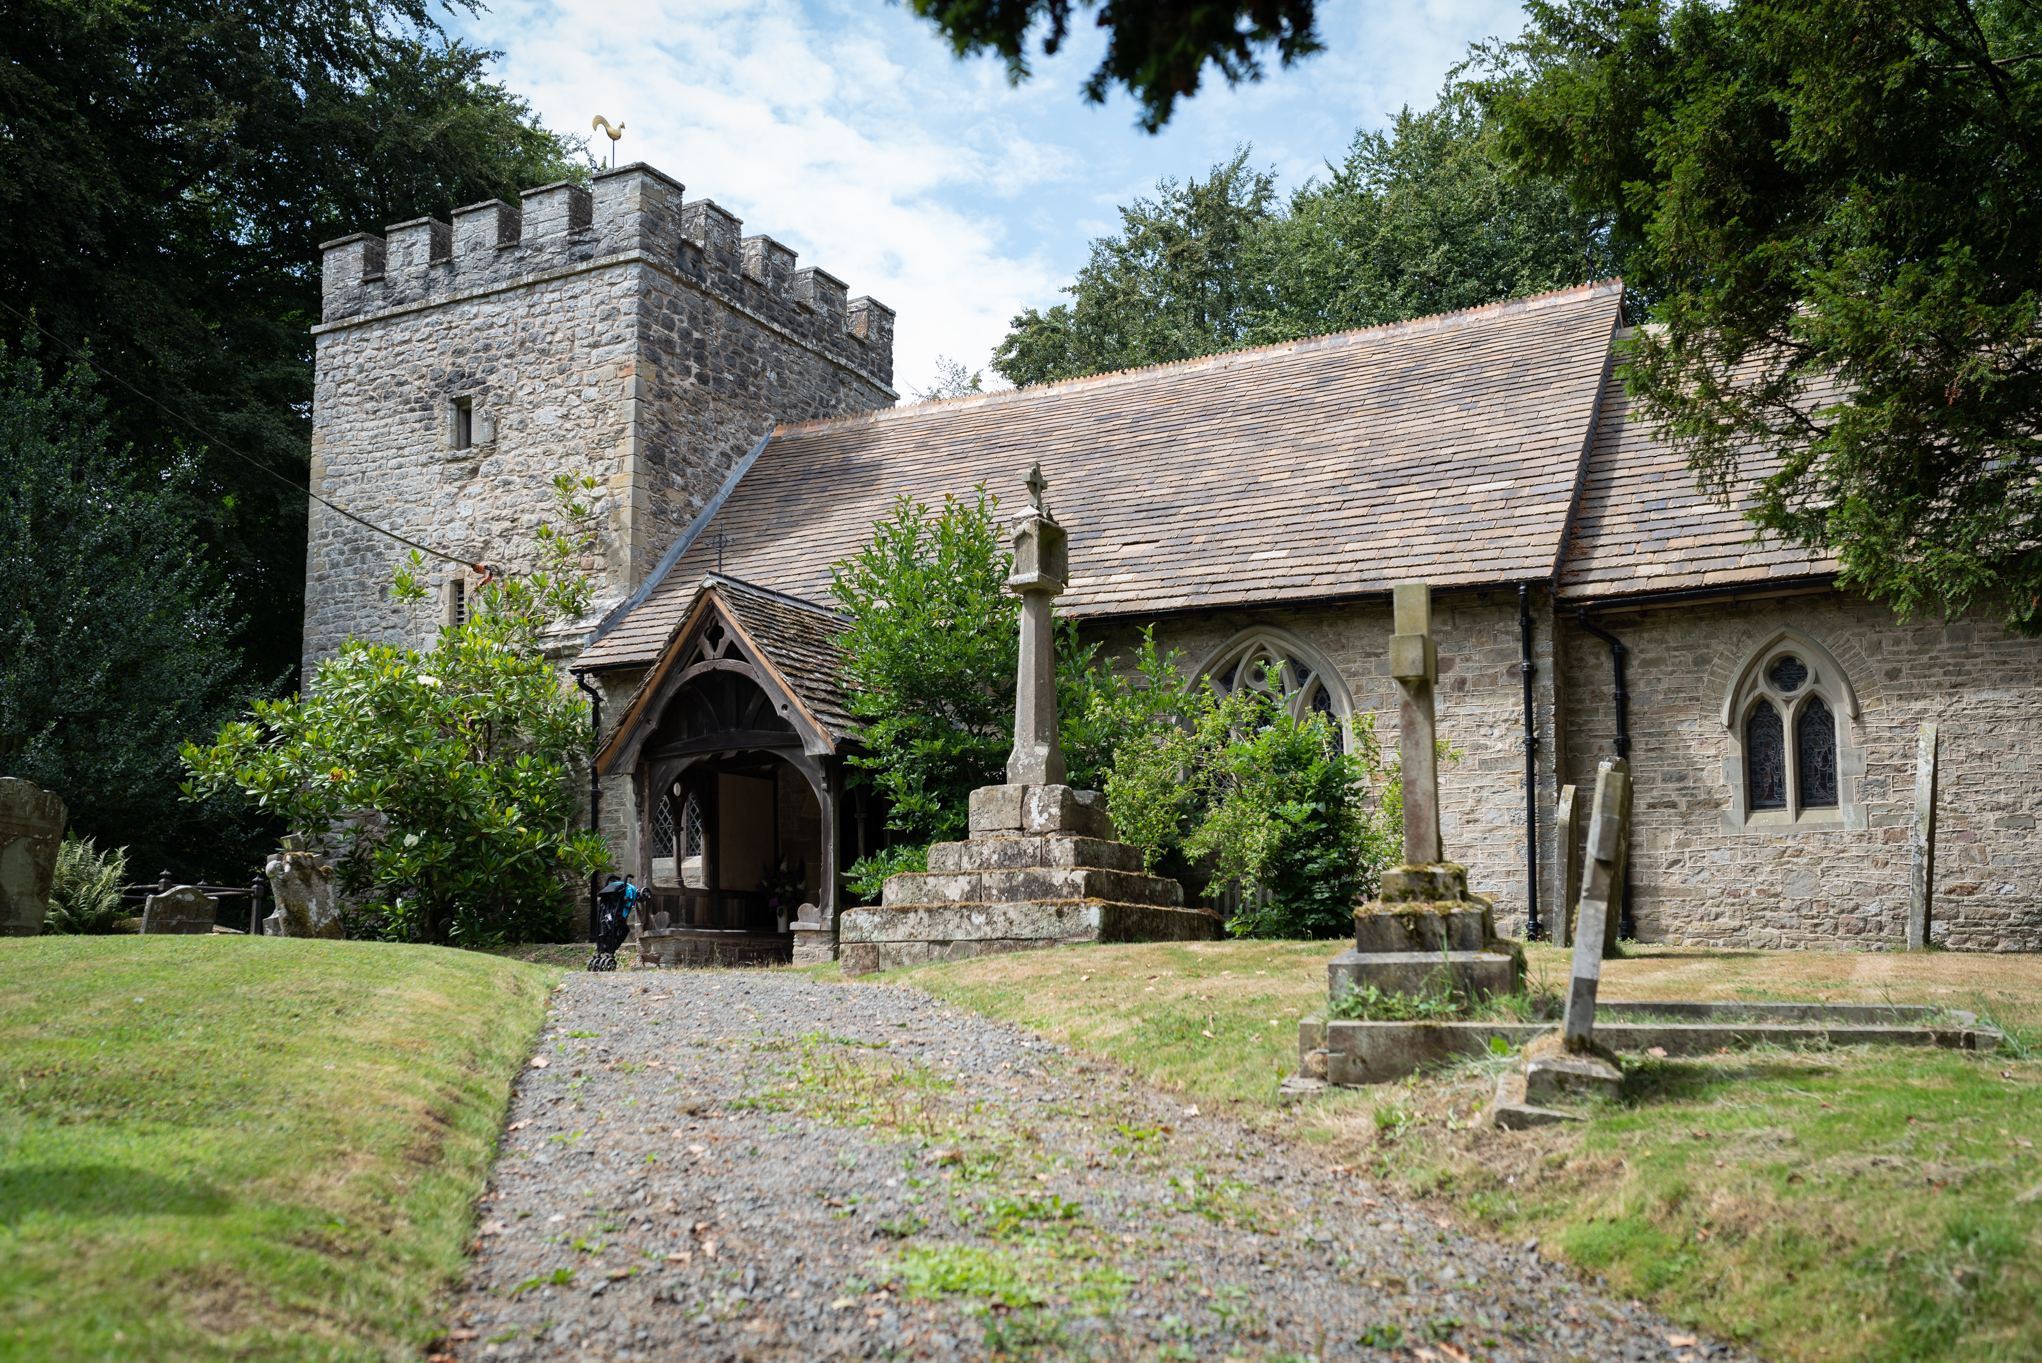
(617, 331)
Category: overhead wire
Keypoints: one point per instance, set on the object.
(216, 442)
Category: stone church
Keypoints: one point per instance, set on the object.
(1255, 508)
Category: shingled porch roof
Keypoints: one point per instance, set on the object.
(1447, 448)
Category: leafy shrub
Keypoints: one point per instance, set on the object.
(1268, 803)
(868, 874)
(85, 896)
(447, 779)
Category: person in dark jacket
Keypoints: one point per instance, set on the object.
(613, 921)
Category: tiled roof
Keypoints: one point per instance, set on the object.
(798, 639)
(1645, 527)
(1446, 449)
(794, 640)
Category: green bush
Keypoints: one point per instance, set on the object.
(85, 896)
(448, 779)
(1269, 804)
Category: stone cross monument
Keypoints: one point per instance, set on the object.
(1414, 662)
(1042, 865)
(1423, 922)
(1042, 564)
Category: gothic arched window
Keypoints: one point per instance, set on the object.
(1284, 667)
(1787, 697)
(1765, 757)
(1815, 749)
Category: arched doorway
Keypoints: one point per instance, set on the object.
(732, 743)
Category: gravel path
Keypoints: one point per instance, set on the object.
(728, 1165)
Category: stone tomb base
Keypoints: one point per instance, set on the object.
(1041, 870)
(1424, 923)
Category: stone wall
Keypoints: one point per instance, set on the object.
(619, 332)
(1480, 708)
(1703, 874)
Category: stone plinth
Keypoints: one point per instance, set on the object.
(1041, 869)
(1423, 921)
(815, 942)
(181, 909)
(1553, 1072)
(31, 832)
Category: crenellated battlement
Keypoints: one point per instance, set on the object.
(630, 212)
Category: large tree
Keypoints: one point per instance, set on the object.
(1418, 219)
(167, 174)
(1421, 218)
(115, 639)
(1172, 285)
(1156, 50)
(1838, 209)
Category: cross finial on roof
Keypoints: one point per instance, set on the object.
(719, 541)
(1037, 484)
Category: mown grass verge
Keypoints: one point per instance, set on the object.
(212, 1147)
(1847, 1206)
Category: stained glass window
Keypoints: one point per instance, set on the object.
(1815, 749)
(1765, 758)
(1788, 674)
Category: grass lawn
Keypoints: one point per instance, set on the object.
(1873, 1204)
(218, 1147)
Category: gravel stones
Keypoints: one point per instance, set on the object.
(727, 1165)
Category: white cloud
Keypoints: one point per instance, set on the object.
(845, 129)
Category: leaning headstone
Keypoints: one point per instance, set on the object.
(1573, 1063)
(1042, 866)
(1608, 831)
(181, 909)
(1619, 868)
(31, 832)
(1921, 897)
(303, 887)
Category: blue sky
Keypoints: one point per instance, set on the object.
(845, 129)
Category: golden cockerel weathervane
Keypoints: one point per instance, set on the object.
(615, 132)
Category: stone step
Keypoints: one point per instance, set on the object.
(1024, 884)
(1019, 853)
(1423, 927)
(888, 938)
(1477, 974)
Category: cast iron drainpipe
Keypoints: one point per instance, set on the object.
(1625, 926)
(1531, 768)
(595, 788)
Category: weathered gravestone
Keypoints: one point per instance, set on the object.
(1042, 866)
(1921, 898)
(181, 909)
(31, 832)
(1576, 1064)
(303, 887)
(1567, 833)
(1423, 923)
